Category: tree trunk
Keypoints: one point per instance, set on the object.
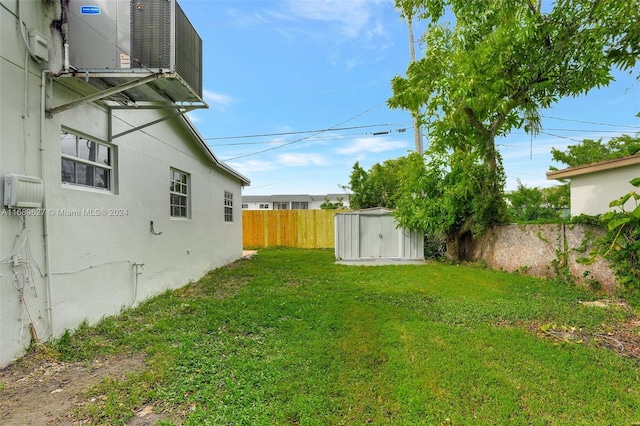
(458, 245)
(453, 248)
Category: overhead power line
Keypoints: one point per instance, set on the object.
(258, 135)
(307, 137)
(591, 122)
(326, 137)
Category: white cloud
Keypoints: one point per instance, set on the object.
(370, 144)
(353, 17)
(299, 160)
(252, 166)
(217, 101)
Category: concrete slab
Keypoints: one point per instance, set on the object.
(377, 261)
(247, 254)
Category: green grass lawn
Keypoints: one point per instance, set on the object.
(291, 338)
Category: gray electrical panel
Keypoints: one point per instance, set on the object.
(126, 36)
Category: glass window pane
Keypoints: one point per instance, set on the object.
(104, 154)
(68, 170)
(68, 144)
(93, 151)
(84, 147)
(101, 178)
(84, 174)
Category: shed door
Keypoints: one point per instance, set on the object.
(378, 236)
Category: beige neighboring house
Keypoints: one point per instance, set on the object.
(595, 185)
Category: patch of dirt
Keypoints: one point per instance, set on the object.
(623, 338)
(37, 390)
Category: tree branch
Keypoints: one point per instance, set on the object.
(474, 122)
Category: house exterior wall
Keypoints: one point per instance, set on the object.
(591, 193)
(99, 254)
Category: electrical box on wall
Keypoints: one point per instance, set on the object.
(39, 45)
(23, 191)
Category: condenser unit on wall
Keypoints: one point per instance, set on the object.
(130, 36)
(22, 191)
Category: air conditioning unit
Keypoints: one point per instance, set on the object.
(125, 36)
(22, 191)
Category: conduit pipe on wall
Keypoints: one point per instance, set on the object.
(137, 272)
(45, 216)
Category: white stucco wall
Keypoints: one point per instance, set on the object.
(592, 193)
(111, 245)
(92, 257)
(22, 291)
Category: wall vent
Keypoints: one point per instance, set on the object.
(22, 191)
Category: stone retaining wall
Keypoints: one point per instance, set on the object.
(544, 251)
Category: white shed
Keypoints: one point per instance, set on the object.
(374, 235)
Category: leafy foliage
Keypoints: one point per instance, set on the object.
(491, 73)
(328, 205)
(591, 151)
(379, 187)
(534, 204)
(623, 238)
(444, 200)
(448, 200)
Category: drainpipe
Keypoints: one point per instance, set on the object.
(137, 271)
(45, 216)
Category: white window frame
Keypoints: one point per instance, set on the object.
(299, 205)
(281, 205)
(228, 206)
(99, 162)
(264, 206)
(179, 194)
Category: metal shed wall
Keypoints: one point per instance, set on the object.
(373, 234)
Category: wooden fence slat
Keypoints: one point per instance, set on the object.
(289, 228)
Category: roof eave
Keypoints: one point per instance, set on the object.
(203, 145)
(594, 167)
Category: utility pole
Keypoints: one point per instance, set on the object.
(417, 131)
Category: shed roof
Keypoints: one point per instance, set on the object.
(372, 211)
(594, 167)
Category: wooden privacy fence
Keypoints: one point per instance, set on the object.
(290, 228)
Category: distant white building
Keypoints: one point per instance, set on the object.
(595, 185)
(292, 202)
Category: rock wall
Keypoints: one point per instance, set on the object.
(544, 251)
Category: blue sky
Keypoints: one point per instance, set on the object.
(297, 91)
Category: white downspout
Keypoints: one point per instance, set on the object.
(45, 216)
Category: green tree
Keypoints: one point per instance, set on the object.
(379, 187)
(359, 187)
(591, 151)
(442, 195)
(494, 70)
(531, 204)
(328, 205)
